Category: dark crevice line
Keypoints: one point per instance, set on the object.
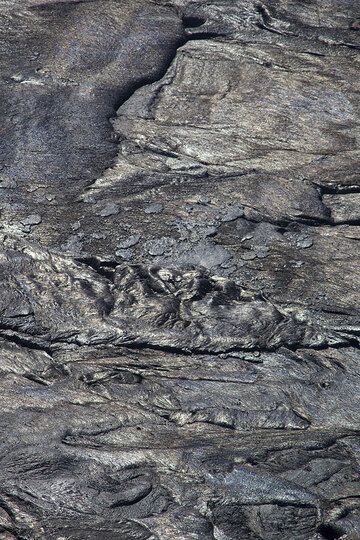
(105, 268)
(36, 379)
(329, 532)
(308, 221)
(316, 222)
(24, 341)
(270, 29)
(348, 343)
(201, 36)
(337, 189)
(193, 21)
(352, 222)
(60, 3)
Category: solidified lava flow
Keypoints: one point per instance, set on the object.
(179, 303)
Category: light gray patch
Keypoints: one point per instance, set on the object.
(232, 213)
(155, 208)
(304, 242)
(125, 254)
(160, 246)
(205, 253)
(248, 255)
(129, 241)
(76, 226)
(109, 210)
(32, 219)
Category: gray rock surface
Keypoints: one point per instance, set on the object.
(179, 251)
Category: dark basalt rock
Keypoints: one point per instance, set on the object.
(179, 244)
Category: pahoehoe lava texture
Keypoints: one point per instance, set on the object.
(179, 253)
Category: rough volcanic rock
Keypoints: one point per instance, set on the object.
(179, 252)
